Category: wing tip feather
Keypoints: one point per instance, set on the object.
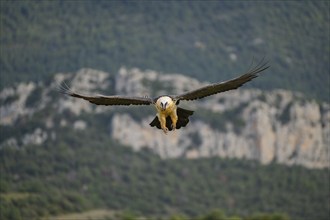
(252, 73)
(62, 87)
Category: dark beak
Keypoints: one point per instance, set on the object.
(163, 106)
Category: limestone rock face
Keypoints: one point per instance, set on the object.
(276, 126)
(85, 81)
(17, 98)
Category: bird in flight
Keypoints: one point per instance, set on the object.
(169, 116)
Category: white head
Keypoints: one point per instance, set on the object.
(163, 102)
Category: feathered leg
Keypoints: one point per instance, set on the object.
(174, 119)
(162, 120)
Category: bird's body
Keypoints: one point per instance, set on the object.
(169, 115)
(166, 107)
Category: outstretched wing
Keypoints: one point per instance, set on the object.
(107, 100)
(224, 86)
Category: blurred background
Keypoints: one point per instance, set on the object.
(260, 152)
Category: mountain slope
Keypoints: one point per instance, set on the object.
(277, 126)
(85, 170)
(61, 155)
(210, 41)
(267, 126)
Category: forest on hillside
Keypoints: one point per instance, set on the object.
(87, 170)
(212, 41)
(75, 171)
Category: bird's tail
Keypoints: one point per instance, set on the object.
(183, 119)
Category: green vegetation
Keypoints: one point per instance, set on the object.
(213, 215)
(8, 100)
(285, 116)
(86, 170)
(34, 98)
(98, 214)
(41, 38)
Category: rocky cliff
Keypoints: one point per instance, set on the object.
(277, 126)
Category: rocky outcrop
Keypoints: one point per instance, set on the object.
(261, 139)
(277, 126)
(13, 102)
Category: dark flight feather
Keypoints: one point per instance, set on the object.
(223, 86)
(107, 100)
(191, 95)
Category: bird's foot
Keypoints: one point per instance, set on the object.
(173, 127)
(165, 129)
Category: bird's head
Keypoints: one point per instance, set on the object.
(164, 102)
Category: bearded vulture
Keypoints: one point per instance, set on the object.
(169, 116)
